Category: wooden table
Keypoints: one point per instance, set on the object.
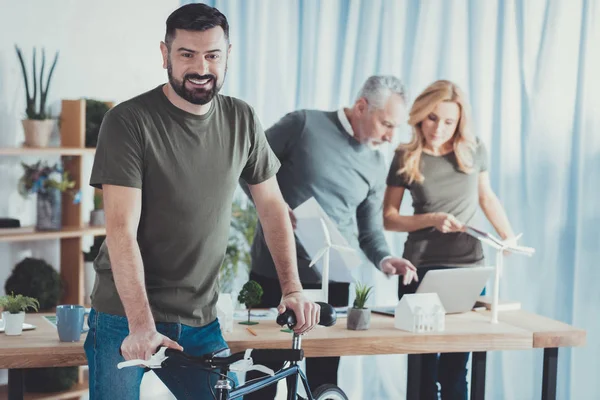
(470, 332)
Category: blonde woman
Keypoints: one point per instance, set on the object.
(444, 167)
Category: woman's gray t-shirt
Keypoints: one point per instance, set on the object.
(444, 189)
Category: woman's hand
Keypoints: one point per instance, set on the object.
(447, 223)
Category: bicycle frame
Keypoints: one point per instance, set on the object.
(225, 392)
(292, 372)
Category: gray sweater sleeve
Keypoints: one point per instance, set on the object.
(369, 217)
(282, 136)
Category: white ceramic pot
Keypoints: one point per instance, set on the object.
(97, 218)
(13, 323)
(37, 132)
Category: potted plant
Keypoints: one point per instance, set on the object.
(14, 312)
(49, 183)
(34, 277)
(250, 295)
(38, 125)
(237, 255)
(97, 214)
(359, 316)
(94, 114)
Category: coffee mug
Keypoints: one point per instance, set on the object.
(69, 322)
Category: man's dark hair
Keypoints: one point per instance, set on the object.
(195, 17)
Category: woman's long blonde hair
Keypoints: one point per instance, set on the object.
(463, 142)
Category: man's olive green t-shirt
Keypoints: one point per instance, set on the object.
(187, 167)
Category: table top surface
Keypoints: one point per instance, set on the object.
(473, 331)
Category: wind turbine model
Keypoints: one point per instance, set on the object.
(500, 247)
(323, 294)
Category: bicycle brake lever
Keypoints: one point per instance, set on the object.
(155, 360)
(247, 364)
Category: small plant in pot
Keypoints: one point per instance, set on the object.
(39, 125)
(13, 314)
(359, 316)
(97, 214)
(250, 295)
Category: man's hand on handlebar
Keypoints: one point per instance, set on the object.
(307, 312)
(141, 344)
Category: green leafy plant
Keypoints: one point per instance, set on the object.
(237, 255)
(363, 293)
(34, 111)
(97, 202)
(34, 277)
(250, 295)
(40, 177)
(14, 304)
(94, 114)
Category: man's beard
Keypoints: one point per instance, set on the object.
(196, 96)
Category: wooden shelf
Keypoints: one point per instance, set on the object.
(63, 151)
(26, 234)
(72, 150)
(78, 390)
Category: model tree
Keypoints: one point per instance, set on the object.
(250, 295)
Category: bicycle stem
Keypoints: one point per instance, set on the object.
(297, 341)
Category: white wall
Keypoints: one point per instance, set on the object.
(109, 50)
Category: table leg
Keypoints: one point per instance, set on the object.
(550, 373)
(16, 384)
(478, 364)
(413, 377)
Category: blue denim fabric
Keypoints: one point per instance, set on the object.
(105, 337)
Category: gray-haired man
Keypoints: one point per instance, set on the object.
(330, 155)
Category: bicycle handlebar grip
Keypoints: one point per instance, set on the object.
(328, 316)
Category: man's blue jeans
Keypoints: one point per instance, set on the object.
(104, 340)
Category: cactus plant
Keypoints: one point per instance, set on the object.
(33, 111)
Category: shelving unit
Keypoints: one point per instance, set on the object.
(72, 150)
(67, 232)
(72, 135)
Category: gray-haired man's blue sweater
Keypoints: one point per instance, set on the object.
(320, 159)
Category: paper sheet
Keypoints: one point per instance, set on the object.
(310, 233)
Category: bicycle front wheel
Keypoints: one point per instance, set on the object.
(329, 392)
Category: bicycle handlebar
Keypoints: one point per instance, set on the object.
(328, 316)
(259, 356)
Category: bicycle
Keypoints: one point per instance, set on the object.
(253, 358)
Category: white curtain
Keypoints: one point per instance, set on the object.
(530, 69)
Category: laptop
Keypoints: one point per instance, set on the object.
(458, 288)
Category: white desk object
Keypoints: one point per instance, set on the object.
(420, 312)
(500, 247)
(225, 312)
(323, 242)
